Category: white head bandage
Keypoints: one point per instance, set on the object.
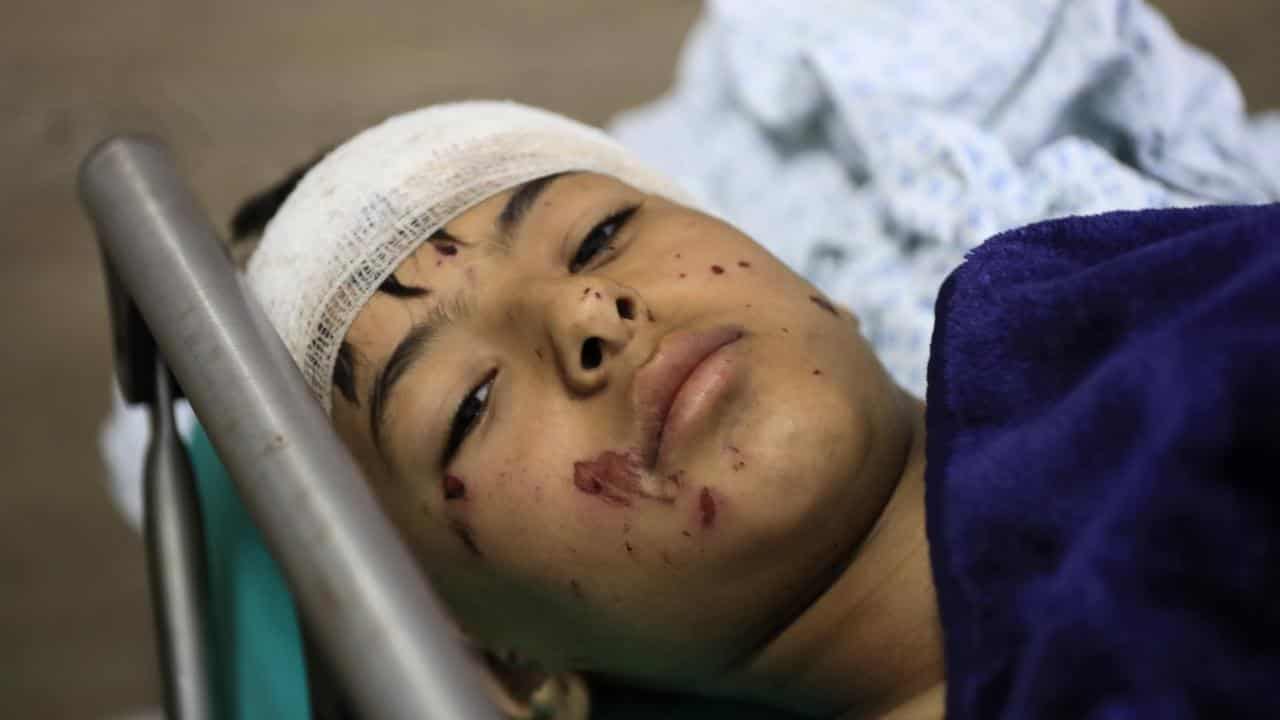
(374, 200)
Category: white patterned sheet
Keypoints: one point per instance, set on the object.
(871, 144)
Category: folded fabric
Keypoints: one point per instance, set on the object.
(1103, 457)
(871, 144)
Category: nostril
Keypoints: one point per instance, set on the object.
(592, 353)
(626, 309)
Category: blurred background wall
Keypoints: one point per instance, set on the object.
(243, 91)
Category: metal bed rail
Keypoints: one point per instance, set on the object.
(368, 604)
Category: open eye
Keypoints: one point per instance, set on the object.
(599, 237)
(467, 415)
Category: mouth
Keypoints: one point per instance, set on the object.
(678, 384)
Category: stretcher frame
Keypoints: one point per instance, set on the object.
(185, 325)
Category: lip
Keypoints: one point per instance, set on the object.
(665, 397)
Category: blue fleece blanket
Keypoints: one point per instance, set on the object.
(1104, 468)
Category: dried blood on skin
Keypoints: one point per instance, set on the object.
(463, 531)
(707, 508)
(817, 371)
(717, 269)
(454, 488)
(824, 304)
(738, 463)
(744, 264)
(614, 477)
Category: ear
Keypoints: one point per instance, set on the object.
(522, 691)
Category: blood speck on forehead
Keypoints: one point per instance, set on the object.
(707, 506)
(454, 488)
(824, 304)
(717, 269)
(744, 264)
(817, 371)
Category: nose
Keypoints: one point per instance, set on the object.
(592, 321)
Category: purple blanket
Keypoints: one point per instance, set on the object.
(1104, 468)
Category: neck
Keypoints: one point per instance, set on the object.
(871, 645)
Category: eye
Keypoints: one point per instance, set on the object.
(599, 237)
(467, 415)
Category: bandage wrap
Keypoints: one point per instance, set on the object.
(375, 199)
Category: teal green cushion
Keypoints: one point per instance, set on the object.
(259, 670)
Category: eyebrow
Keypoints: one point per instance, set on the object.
(411, 348)
(518, 205)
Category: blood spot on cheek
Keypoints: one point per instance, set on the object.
(463, 531)
(593, 486)
(824, 304)
(737, 463)
(454, 488)
(707, 508)
(615, 478)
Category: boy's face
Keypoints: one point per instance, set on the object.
(618, 434)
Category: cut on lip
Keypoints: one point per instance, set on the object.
(659, 381)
